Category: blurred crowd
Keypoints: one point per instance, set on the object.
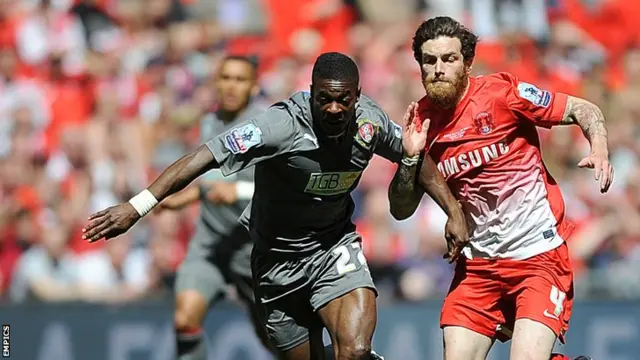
(98, 96)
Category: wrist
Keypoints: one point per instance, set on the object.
(410, 160)
(144, 202)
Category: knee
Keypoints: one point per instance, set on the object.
(188, 315)
(355, 350)
(185, 319)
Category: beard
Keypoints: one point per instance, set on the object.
(446, 93)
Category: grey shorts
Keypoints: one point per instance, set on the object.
(290, 292)
(213, 262)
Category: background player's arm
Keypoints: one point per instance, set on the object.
(181, 199)
(590, 118)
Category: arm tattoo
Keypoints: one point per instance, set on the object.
(404, 194)
(586, 115)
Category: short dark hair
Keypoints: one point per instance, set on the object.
(444, 26)
(251, 60)
(335, 66)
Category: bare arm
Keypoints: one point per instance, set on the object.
(435, 185)
(50, 291)
(404, 193)
(590, 119)
(182, 172)
(407, 188)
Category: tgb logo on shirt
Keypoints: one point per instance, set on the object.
(331, 183)
(472, 159)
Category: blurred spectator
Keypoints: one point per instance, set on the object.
(114, 274)
(46, 272)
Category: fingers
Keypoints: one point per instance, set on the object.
(411, 115)
(585, 163)
(607, 177)
(96, 230)
(98, 214)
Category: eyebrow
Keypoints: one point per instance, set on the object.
(442, 55)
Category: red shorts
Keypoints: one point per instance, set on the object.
(488, 296)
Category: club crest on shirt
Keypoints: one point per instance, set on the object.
(366, 132)
(241, 139)
(483, 123)
(536, 96)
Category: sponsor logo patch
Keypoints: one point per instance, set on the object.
(240, 140)
(331, 183)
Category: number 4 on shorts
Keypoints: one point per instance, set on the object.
(557, 298)
(344, 263)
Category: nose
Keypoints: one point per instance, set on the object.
(334, 109)
(439, 68)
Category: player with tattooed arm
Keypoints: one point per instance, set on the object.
(513, 280)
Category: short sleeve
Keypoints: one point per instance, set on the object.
(389, 144)
(542, 107)
(267, 135)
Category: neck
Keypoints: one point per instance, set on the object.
(228, 116)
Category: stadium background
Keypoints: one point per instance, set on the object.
(98, 96)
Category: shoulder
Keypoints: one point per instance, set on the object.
(369, 111)
(493, 84)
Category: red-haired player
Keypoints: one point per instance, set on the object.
(514, 278)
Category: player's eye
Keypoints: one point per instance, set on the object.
(430, 60)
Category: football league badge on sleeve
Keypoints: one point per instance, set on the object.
(483, 123)
(240, 140)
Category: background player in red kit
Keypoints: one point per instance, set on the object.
(514, 279)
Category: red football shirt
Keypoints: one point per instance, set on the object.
(488, 150)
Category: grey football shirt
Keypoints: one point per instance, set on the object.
(219, 218)
(302, 199)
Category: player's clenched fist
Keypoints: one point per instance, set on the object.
(456, 233)
(111, 222)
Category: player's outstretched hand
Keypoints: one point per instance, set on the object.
(456, 233)
(603, 169)
(414, 134)
(223, 192)
(110, 223)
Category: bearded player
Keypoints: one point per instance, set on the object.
(309, 153)
(514, 279)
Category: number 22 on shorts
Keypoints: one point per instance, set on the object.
(344, 263)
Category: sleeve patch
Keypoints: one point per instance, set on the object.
(240, 140)
(536, 96)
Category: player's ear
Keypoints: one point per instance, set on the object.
(468, 65)
(358, 92)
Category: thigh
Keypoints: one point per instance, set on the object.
(460, 343)
(474, 301)
(343, 294)
(531, 340)
(287, 322)
(202, 277)
(542, 288)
